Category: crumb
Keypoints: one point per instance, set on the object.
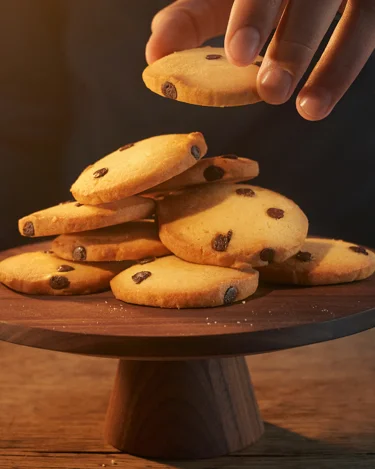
(238, 322)
(244, 302)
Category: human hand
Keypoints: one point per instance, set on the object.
(300, 27)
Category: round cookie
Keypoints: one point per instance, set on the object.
(226, 168)
(232, 225)
(43, 273)
(323, 262)
(170, 282)
(203, 76)
(71, 217)
(136, 167)
(129, 241)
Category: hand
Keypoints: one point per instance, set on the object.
(300, 27)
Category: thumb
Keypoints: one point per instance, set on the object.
(186, 24)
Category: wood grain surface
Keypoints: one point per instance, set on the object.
(318, 403)
(274, 319)
(183, 409)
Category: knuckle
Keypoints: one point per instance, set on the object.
(298, 46)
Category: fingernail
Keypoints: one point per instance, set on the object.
(276, 85)
(316, 103)
(244, 45)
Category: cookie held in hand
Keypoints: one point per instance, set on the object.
(203, 76)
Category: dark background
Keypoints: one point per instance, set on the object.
(71, 91)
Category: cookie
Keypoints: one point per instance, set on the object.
(129, 241)
(134, 168)
(226, 168)
(231, 225)
(323, 262)
(43, 273)
(170, 282)
(72, 217)
(203, 76)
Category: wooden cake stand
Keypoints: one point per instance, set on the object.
(182, 389)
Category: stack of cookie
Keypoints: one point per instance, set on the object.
(213, 234)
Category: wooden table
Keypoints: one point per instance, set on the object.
(321, 413)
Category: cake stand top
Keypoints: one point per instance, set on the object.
(275, 318)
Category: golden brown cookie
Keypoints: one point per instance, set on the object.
(72, 217)
(43, 273)
(136, 167)
(226, 168)
(203, 76)
(170, 282)
(129, 241)
(323, 262)
(232, 225)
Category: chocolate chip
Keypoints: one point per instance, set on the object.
(125, 147)
(304, 256)
(275, 213)
(147, 260)
(48, 252)
(221, 241)
(58, 282)
(100, 173)
(359, 250)
(213, 56)
(140, 276)
(258, 63)
(79, 253)
(28, 229)
(245, 192)
(230, 295)
(230, 157)
(78, 204)
(195, 151)
(169, 90)
(267, 255)
(65, 268)
(213, 173)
